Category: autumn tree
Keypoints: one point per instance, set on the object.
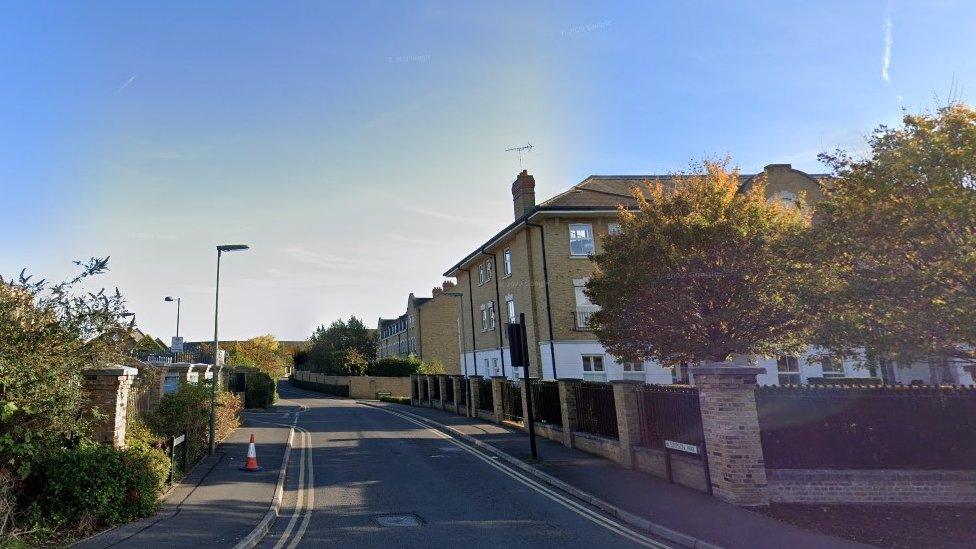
(262, 352)
(328, 348)
(895, 243)
(700, 272)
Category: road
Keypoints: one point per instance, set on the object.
(364, 477)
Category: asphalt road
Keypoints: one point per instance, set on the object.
(364, 477)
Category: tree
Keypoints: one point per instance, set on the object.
(896, 243)
(49, 335)
(262, 352)
(327, 347)
(701, 272)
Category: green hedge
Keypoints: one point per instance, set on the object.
(98, 485)
(394, 367)
(397, 400)
(261, 390)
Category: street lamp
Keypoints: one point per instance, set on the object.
(214, 379)
(177, 300)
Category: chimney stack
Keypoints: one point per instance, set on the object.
(436, 292)
(447, 285)
(523, 194)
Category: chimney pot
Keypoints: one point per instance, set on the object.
(523, 194)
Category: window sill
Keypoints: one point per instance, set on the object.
(571, 256)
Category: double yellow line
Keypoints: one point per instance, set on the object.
(569, 503)
(305, 498)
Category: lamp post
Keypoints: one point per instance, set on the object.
(213, 381)
(177, 300)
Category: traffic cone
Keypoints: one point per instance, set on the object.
(252, 457)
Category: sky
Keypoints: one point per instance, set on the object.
(359, 148)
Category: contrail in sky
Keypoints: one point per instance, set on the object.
(886, 58)
(126, 85)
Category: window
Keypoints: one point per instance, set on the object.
(788, 368)
(831, 367)
(679, 374)
(487, 271)
(507, 262)
(581, 239)
(593, 368)
(494, 363)
(491, 315)
(613, 228)
(633, 370)
(481, 274)
(486, 367)
(484, 318)
(511, 310)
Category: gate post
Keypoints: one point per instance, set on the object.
(107, 390)
(730, 422)
(496, 397)
(626, 402)
(474, 394)
(567, 405)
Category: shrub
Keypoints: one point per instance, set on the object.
(395, 367)
(397, 400)
(261, 391)
(98, 485)
(187, 410)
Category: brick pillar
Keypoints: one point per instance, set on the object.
(567, 404)
(473, 382)
(442, 381)
(496, 396)
(525, 404)
(626, 401)
(731, 425)
(107, 390)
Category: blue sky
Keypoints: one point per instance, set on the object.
(360, 148)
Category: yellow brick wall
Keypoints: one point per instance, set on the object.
(438, 332)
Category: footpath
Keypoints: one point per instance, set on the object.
(217, 504)
(683, 515)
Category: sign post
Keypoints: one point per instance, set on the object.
(518, 345)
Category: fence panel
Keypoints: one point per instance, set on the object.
(670, 412)
(414, 389)
(595, 409)
(511, 401)
(868, 427)
(486, 400)
(449, 390)
(424, 393)
(462, 394)
(435, 388)
(545, 402)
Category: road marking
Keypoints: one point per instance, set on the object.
(310, 494)
(572, 505)
(299, 498)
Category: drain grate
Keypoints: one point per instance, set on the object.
(398, 521)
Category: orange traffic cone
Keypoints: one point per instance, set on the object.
(252, 457)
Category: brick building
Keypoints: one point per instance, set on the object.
(427, 330)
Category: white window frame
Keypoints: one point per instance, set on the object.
(491, 315)
(489, 270)
(831, 367)
(788, 370)
(481, 274)
(510, 306)
(633, 370)
(494, 365)
(594, 370)
(507, 261)
(484, 317)
(588, 228)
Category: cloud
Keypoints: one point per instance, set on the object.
(126, 85)
(888, 41)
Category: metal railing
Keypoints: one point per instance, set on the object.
(486, 400)
(596, 411)
(669, 412)
(435, 388)
(424, 393)
(545, 402)
(583, 319)
(462, 394)
(511, 401)
(449, 389)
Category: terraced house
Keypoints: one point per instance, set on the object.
(539, 264)
(428, 330)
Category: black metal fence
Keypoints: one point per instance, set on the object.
(670, 412)
(435, 388)
(595, 409)
(449, 389)
(424, 392)
(462, 393)
(887, 427)
(545, 402)
(511, 401)
(486, 400)
(415, 389)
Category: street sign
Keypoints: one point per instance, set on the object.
(178, 440)
(177, 345)
(681, 447)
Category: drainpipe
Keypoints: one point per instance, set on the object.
(498, 297)
(474, 343)
(545, 280)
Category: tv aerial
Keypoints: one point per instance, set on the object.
(523, 149)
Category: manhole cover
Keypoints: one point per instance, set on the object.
(394, 521)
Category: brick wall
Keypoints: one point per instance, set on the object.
(871, 486)
(107, 390)
(361, 386)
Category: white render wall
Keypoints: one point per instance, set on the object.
(569, 362)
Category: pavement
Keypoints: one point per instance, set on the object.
(671, 506)
(217, 504)
(369, 475)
